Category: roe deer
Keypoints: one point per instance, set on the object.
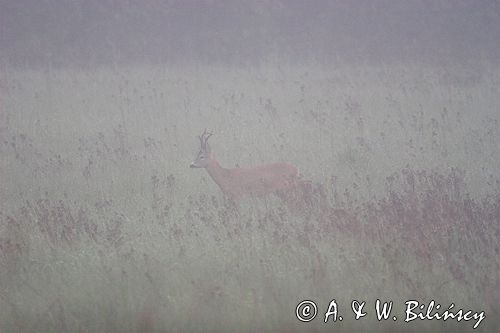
(237, 183)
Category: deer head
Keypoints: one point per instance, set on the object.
(205, 154)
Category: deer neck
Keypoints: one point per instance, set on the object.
(219, 174)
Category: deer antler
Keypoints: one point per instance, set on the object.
(204, 138)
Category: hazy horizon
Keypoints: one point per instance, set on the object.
(94, 33)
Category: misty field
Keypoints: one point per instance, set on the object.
(104, 228)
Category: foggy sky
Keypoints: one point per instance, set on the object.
(109, 32)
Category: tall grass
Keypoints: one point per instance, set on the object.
(104, 228)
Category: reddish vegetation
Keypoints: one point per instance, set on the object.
(62, 225)
(423, 214)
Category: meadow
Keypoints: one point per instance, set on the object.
(105, 228)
